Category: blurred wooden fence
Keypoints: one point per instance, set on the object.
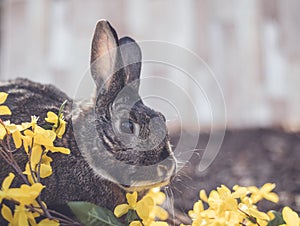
(252, 46)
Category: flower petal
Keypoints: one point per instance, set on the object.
(273, 197)
(44, 137)
(36, 155)
(158, 196)
(290, 217)
(2, 132)
(61, 129)
(144, 206)
(17, 137)
(46, 170)
(22, 218)
(268, 187)
(131, 199)
(120, 210)
(161, 213)
(135, 223)
(239, 192)
(4, 110)
(7, 181)
(258, 214)
(47, 222)
(198, 206)
(52, 118)
(6, 213)
(3, 97)
(203, 195)
(59, 149)
(26, 194)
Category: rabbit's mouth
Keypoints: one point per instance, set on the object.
(144, 185)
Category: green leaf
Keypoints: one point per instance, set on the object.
(62, 107)
(92, 215)
(278, 219)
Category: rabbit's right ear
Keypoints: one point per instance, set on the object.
(132, 60)
(105, 56)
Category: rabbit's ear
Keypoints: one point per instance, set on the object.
(105, 57)
(132, 57)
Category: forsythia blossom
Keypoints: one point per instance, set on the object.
(25, 196)
(147, 208)
(227, 208)
(36, 143)
(4, 110)
(59, 124)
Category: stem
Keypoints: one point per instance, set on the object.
(64, 220)
(251, 218)
(3, 153)
(39, 167)
(67, 219)
(29, 162)
(7, 155)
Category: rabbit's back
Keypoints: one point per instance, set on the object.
(27, 98)
(72, 178)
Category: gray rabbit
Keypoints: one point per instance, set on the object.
(121, 144)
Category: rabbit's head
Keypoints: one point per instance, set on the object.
(137, 152)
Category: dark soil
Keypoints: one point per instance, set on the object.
(247, 157)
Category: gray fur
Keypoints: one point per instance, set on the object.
(76, 176)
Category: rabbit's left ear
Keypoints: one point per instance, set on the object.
(106, 61)
(132, 57)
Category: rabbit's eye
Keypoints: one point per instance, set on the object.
(129, 127)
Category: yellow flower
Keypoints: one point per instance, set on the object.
(38, 156)
(253, 213)
(5, 186)
(22, 216)
(290, 217)
(142, 207)
(4, 110)
(59, 123)
(42, 137)
(26, 194)
(239, 192)
(198, 208)
(16, 134)
(122, 209)
(157, 211)
(222, 200)
(157, 196)
(263, 193)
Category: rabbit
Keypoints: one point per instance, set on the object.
(113, 134)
